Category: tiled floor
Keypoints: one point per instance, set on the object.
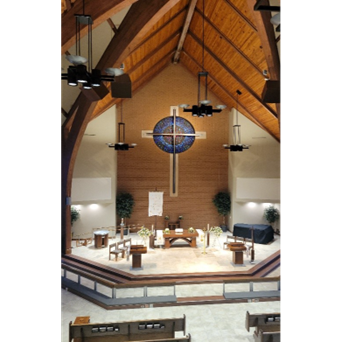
(205, 323)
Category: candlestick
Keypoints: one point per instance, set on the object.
(204, 241)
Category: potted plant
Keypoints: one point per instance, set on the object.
(75, 215)
(124, 208)
(222, 203)
(271, 214)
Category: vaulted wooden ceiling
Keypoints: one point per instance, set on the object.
(240, 46)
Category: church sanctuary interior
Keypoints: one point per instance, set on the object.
(170, 204)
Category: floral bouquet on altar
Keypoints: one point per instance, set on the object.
(217, 231)
(166, 231)
(144, 232)
(191, 230)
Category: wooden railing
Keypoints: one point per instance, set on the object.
(113, 294)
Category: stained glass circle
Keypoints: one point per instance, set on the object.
(173, 134)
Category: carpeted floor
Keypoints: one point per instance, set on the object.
(205, 323)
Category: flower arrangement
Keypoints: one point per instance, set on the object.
(217, 231)
(144, 232)
(191, 230)
(166, 231)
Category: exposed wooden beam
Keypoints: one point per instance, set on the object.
(100, 10)
(269, 45)
(186, 25)
(234, 75)
(138, 21)
(112, 25)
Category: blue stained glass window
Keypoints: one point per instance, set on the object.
(173, 134)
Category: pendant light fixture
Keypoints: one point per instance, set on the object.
(237, 146)
(79, 73)
(121, 145)
(202, 109)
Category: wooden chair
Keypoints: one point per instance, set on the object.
(112, 232)
(82, 240)
(127, 245)
(114, 249)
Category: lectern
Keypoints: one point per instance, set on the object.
(136, 251)
(237, 248)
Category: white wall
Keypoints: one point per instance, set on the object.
(96, 161)
(261, 162)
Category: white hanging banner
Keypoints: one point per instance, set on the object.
(155, 203)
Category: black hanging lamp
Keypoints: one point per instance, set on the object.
(121, 145)
(237, 146)
(79, 73)
(202, 108)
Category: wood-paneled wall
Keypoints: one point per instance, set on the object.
(203, 169)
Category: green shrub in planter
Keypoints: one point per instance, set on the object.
(271, 214)
(222, 203)
(124, 205)
(75, 214)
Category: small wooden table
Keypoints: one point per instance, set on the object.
(101, 238)
(237, 248)
(136, 251)
(189, 238)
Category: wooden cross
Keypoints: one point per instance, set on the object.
(174, 155)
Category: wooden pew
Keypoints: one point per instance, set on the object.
(267, 326)
(272, 334)
(160, 330)
(179, 339)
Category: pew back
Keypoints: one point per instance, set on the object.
(262, 320)
(142, 330)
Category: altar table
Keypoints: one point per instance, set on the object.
(189, 238)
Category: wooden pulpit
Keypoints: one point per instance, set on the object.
(136, 251)
(237, 248)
